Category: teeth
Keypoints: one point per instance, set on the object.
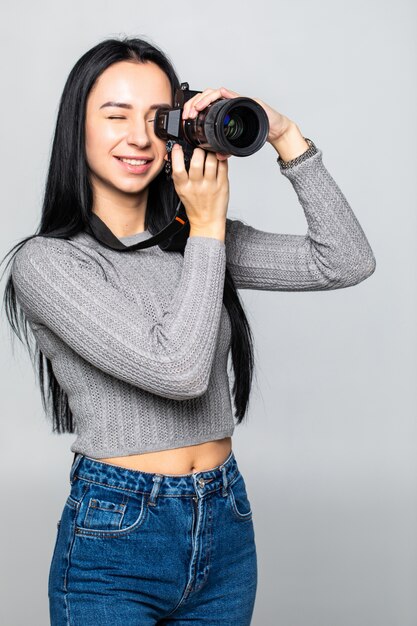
(134, 161)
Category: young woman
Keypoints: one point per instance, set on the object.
(157, 527)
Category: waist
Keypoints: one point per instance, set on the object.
(88, 470)
(176, 461)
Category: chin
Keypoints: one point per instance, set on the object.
(132, 188)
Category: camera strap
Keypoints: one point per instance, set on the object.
(171, 238)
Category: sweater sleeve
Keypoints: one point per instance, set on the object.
(334, 253)
(57, 286)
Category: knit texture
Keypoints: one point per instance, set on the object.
(140, 346)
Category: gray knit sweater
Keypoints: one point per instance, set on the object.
(142, 356)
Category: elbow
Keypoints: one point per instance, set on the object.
(346, 271)
(188, 394)
(197, 383)
(362, 266)
(194, 390)
(368, 266)
(337, 267)
(182, 393)
(187, 375)
(192, 387)
(354, 271)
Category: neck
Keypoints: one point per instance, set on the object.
(125, 216)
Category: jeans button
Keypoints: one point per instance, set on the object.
(201, 482)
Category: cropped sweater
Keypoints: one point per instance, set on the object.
(141, 349)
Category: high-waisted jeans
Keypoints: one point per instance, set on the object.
(141, 549)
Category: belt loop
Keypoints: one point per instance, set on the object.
(75, 463)
(224, 473)
(157, 479)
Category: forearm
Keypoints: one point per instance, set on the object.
(291, 143)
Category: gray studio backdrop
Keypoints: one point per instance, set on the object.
(329, 449)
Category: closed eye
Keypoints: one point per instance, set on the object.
(114, 117)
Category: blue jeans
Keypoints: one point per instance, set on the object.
(139, 549)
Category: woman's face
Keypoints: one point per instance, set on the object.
(125, 131)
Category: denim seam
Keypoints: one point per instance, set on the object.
(160, 495)
(68, 556)
(238, 514)
(71, 502)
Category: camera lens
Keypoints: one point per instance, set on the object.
(241, 126)
(233, 126)
(237, 126)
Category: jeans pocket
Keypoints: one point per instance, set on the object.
(110, 512)
(238, 499)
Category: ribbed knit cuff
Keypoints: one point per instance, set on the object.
(285, 165)
(210, 242)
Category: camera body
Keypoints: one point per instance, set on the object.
(237, 126)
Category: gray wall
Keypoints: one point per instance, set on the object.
(328, 452)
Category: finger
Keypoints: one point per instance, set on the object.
(229, 93)
(190, 103)
(196, 164)
(200, 101)
(203, 100)
(222, 171)
(179, 173)
(210, 166)
(222, 156)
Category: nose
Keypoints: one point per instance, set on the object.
(139, 133)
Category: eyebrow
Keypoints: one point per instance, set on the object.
(124, 105)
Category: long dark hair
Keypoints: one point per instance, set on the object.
(67, 204)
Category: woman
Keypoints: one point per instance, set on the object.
(157, 527)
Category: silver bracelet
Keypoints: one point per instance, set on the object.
(302, 157)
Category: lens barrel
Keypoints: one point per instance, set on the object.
(236, 126)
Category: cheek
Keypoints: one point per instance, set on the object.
(99, 142)
(161, 147)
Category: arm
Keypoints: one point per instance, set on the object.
(334, 253)
(59, 286)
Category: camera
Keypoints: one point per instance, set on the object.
(237, 126)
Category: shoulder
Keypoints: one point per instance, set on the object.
(40, 248)
(46, 254)
(33, 249)
(43, 243)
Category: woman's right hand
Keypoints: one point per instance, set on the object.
(204, 189)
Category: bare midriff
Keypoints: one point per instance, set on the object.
(186, 460)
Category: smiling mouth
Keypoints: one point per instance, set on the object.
(134, 161)
(135, 166)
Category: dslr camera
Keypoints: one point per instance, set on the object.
(237, 126)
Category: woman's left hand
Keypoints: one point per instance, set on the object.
(278, 123)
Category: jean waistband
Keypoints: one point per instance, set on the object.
(86, 468)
